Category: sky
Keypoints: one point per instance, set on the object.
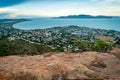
(55, 8)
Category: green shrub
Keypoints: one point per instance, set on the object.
(101, 46)
(84, 45)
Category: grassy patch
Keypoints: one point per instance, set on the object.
(105, 38)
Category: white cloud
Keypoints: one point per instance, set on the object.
(64, 7)
(6, 10)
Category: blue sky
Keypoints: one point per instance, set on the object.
(53, 8)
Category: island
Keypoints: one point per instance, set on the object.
(82, 16)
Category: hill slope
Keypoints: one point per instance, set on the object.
(51, 66)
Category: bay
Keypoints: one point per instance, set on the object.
(42, 23)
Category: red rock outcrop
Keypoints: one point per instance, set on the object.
(60, 66)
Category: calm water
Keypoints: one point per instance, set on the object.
(41, 23)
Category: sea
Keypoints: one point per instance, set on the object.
(42, 23)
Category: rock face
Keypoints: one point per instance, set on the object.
(61, 66)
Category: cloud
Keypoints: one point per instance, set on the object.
(6, 10)
(54, 8)
(7, 3)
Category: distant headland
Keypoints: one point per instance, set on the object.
(82, 16)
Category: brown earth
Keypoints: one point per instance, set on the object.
(61, 66)
(116, 52)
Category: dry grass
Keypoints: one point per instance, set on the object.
(60, 66)
(105, 38)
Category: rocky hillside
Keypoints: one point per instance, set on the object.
(61, 66)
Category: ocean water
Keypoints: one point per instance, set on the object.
(42, 23)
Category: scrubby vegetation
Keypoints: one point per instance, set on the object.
(20, 47)
(98, 45)
(102, 46)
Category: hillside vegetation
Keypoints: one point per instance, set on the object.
(20, 47)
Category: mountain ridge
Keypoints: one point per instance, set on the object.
(85, 16)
